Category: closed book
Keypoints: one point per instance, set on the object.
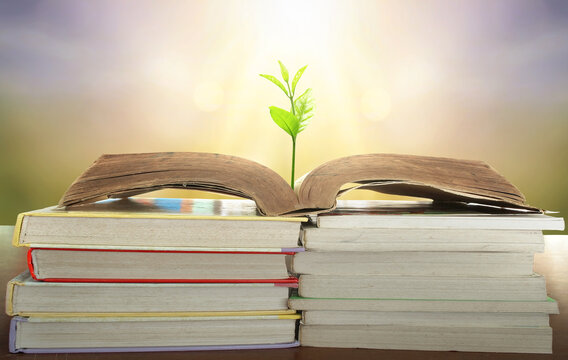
(158, 224)
(529, 288)
(548, 306)
(108, 334)
(27, 297)
(432, 263)
(437, 338)
(418, 318)
(378, 214)
(98, 265)
(417, 239)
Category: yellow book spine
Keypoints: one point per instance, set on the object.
(18, 229)
(293, 317)
(10, 297)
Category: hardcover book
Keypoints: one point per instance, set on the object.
(132, 334)
(159, 224)
(97, 265)
(27, 297)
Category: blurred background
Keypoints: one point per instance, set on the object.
(485, 80)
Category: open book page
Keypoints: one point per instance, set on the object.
(440, 179)
(125, 175)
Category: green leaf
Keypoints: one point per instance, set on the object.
(304, 107)
(286, 120)
(297, 78)
(276, 82)
(283, 71)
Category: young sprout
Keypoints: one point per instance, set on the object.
(301, 109)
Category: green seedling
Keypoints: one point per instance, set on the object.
(301, 109)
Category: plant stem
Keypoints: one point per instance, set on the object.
(292, 105)
(293, 161)
(291, 97)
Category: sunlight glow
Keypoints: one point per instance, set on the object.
(167, 72)
(416, 77)
(208, 96)
(376, 104)
(294, 24)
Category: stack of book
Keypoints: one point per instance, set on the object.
(412, 275)
(153, 274)
(127, 273)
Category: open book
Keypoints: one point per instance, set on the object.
(440, 179)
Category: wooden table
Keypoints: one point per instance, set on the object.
(553, 264)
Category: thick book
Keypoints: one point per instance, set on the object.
(528, 288)
(437, 338)
(159, 224)
(112, 265)
(378, 225)
(91, 334)
(405, 318)
(429, 263)
(548, 306)
(27, 297)
(430, 216)
(384, 239)
(441, 179)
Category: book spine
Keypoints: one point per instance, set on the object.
(12, 336)
(31, 266)
(18, 230)
(10, 298)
